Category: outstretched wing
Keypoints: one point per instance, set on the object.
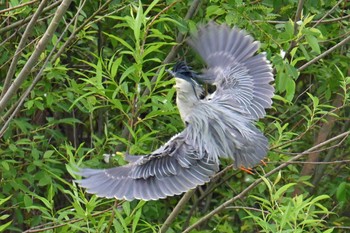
(171, 170)
(233, 67)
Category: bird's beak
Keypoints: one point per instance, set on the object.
(170, 72)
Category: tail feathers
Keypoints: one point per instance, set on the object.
(250, 151)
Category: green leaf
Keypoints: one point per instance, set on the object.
(5, 216)
(27, 201)
(151, 6)
(341, 193)
(3, 200)
(4, 226)
(123, 42)
(121, 220)
(278, 178)
(115, 66)
(5, 165)
(48, 154)
(290, 88)
(282, 190)
(330, 230)
(214, 10)
(289, 28)
(126, 208)
(313, 42)
(136, 219)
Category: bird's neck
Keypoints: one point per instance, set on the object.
(185, 103)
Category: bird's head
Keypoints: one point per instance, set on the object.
(185, 79)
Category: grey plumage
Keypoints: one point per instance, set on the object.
(218, 125)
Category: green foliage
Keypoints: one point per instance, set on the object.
(108, 93)
(4, 217)
(281, 213)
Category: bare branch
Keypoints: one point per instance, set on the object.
(317, 163)
(328, 13)
(247, 208)
(297, 18)
(314, 60)
(176, 211)
(316, 22)
(18, 6)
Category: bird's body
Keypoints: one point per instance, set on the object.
(218, 125)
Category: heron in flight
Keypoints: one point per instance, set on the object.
(219, 125)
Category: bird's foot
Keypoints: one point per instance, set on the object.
(263, 162)
(247, 170)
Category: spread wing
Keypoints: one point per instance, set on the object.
(171, 170)
(233, 67)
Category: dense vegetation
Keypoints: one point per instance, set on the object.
(84, 78)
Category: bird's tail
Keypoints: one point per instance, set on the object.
(251, 149)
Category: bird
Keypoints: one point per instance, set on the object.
(217, 124)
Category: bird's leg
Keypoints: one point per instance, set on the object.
(247, 170)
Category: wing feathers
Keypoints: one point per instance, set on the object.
(166, 173)
(234, 68)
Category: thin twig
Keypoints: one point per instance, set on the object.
(320, 170)
(303, 162)
(112, 216)
(258, 181)
(314, 60)
(328, 13)
(248, 208)
(18, 6)
(315, 22)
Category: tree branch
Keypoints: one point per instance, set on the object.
(316, 22)
(186, 197)
(20, 47)
(22, 22)
(18, 6)
(314, 60)
(35, 56)
(16, 108)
